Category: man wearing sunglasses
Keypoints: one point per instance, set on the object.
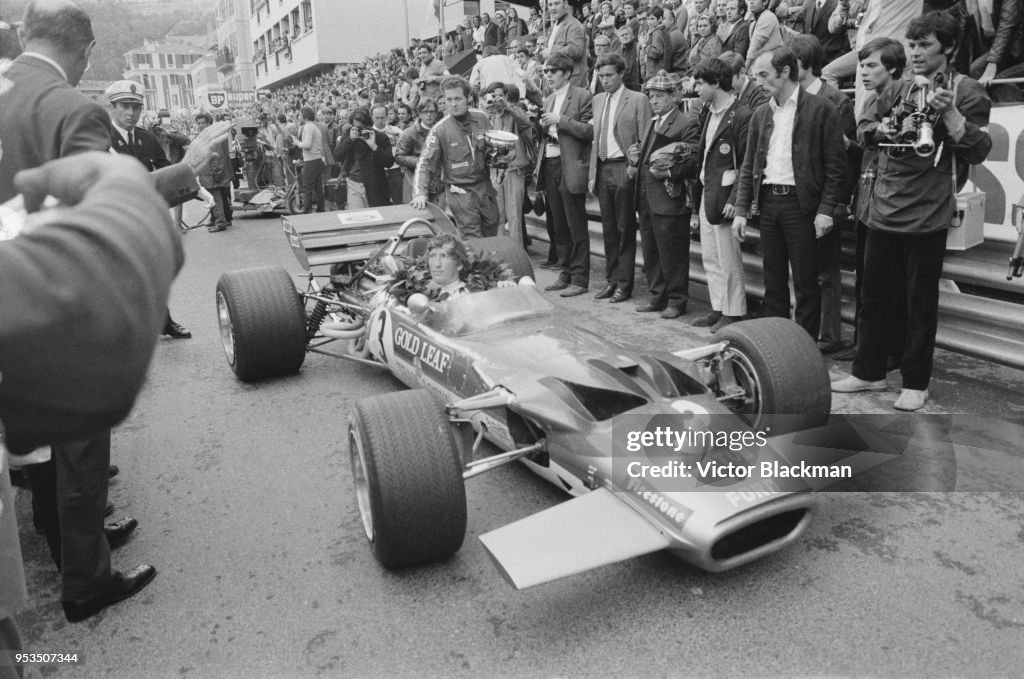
(565, 150)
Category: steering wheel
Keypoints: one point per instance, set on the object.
(391, 246)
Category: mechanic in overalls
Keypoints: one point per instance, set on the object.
(455, 149)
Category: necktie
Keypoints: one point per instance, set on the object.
(131, 141)
(602, 141)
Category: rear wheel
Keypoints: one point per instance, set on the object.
(776, 374)
(506, 250)
(408, 478)
(262, 322)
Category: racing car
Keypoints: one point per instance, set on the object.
(501, 375)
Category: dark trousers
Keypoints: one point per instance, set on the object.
(913, 264)
(788, 240)
(898, 299)
(618, 221)
(665, 243)
(830, 283)
(69, 495)
(221, 205)
(569, 219)
(312, 188)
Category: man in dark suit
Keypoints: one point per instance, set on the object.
(620, 116)
(738, 38)
(809, 59)
(792, 177)
(568, 37)
(45, 117)
(723, 143)
(66, 381)
(816, 16)
(565, 150)
(661, 197)
(126, 99)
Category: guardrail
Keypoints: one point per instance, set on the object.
(969, 324)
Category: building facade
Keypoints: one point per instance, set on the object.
(297, 38)
(234, 46)
(164, 68)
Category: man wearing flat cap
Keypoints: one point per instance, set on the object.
(125, 97)
(665, 156)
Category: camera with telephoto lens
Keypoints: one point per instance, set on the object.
(920, 135)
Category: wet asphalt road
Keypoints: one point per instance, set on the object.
(243, 494)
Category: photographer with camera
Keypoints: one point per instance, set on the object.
(927, 142)
(365, 154)
(432, 72)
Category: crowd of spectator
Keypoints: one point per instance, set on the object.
(391, 130)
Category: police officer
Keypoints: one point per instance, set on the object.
(125, 98)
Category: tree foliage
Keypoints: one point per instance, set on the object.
(122, 26)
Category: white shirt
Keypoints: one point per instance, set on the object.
(814, 87)
(554, 31)
(778, 167)
(613, 104)
(552, 151)
(717, 114)
(121, 131)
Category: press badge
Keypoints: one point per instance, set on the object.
(724, 149)
(456, 166)
(728, 177)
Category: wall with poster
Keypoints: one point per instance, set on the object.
(1001, 176)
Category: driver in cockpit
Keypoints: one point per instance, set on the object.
(448, 262)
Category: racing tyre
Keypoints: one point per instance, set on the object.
(782, 371)
(507, 250)
(293, 201)
(262, 322)
(408, 477)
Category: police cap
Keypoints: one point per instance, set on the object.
(124, 90)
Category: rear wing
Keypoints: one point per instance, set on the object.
(323, 238)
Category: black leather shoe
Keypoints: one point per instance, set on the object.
(123, 585)
(573, 291)
(176, 331)
(606, 292)
(112, 471)
(557, 285)
(673, 312)
(548, 265)
(620, 296)
(648, 308)
(707, 320)
(108, 510)
(117, 533)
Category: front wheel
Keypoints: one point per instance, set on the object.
(408, 477)
(775, 373)
(262, 322)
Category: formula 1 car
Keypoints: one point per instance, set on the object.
(503, 369)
